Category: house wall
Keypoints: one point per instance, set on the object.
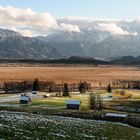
(73, 107)
(25, 102)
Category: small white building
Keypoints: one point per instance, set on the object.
(24, 99)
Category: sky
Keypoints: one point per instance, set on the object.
(39, 17)
(116, 9)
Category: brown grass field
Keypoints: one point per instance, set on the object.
(68, 74)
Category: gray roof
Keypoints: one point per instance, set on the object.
(73, 102)
(24, 98)
(116, 115)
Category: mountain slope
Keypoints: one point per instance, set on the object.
(13, 45)
(116, 46)
(72, 43)
(94, 38)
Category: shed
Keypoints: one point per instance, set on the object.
(34, 92)
(24, 99)
(116, 115)
(73, 104)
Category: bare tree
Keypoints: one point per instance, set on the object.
(95, 102)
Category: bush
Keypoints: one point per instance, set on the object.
(95, 102)
(120, 92)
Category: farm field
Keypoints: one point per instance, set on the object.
(24, 126)
(68, 74)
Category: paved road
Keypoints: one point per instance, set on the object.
(17, 97)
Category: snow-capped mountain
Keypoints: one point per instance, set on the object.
(96, 38)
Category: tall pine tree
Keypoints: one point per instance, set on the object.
(36, 85)
(109, 89)
(66, 90)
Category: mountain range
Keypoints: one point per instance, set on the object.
(103, 40)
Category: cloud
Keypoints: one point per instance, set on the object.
(76, 18)
(136, 19)
(25, 17)
(24, 32)
(16, 19)
(113, 29)
(69, 27)
(30, 23)
(90, 19)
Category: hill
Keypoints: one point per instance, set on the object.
(71, 60)
(127, 60)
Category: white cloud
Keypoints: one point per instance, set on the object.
(69, 27)
(16, 18)
(25, 32)
(89, 19)
(113, 29)
(30, 23)
(136, 20)
(25, 17)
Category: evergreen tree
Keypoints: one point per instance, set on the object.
(66, 90)
(129, 86)
(36, 85)
(109, 89)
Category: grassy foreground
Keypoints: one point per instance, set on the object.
(24, 126)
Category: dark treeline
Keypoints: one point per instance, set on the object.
(48, 86)
(51, 86)
(55, 61)
(16, 87)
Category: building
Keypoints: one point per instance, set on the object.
(73, 104)
(34, 92)
(24, 99)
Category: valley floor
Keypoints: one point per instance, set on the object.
(43, 118)
(70, 74)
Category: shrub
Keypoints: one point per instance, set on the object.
(95, 102)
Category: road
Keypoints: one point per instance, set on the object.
(15, 98)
